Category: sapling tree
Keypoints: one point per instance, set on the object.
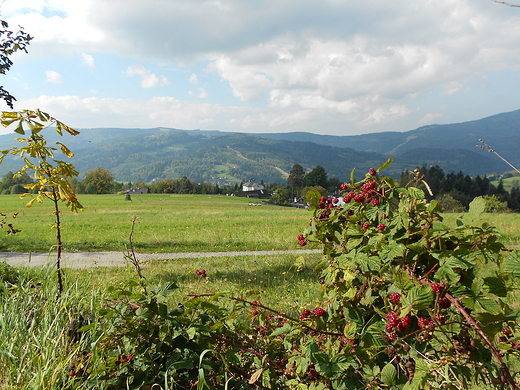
(50, 174)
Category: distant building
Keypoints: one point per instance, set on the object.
(137, 191)
(252, 185)
(258, 194)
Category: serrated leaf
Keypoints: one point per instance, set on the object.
(477, 207)
(402, 281)
(389, 375)
(416, 193)
(419, 297)
(511, 264)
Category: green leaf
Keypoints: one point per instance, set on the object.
(389, 375)
(402, 281)
(419, 298)
(416, 193)
(353, 176)
(284, 329)
(477, 207)
(385, 164)
(512, 264)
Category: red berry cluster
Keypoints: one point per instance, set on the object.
(395, 323)
(301, 240)
(305, 314)
(327, 203)
(395, 297)
(318, 312)
(201, 273)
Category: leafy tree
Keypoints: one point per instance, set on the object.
(99, 178)
(450, 204)
(296, 178)
(281, 195)
(316, 177)
(10, 43)
(49, 174)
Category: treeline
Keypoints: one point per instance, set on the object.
(457, 190)
(101, 181)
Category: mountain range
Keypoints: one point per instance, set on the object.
(226, 157)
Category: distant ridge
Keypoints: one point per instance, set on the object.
(230, 157)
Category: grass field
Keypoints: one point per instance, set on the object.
(176, 223)
(166, 223)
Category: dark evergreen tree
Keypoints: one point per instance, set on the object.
(296, 179)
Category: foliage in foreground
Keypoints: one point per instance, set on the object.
(409, 303)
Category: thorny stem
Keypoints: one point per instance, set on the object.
(132, 257)
(505, 374)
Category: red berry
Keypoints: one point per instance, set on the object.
(442, 319)
(381, 227)
(313, 373)
(202, 273)
(254, 312)
(395, 297)
(322, 205)
(436, 287)
(305, 313)
(389, 328)
(366, 225)
(375, 202)
(401, 328)
(392, 335)
(506, 332)
(302, 242)
(72, 373)
(392, 318)
(318, 312)
(422, 322)
(301, 237)
(359, 198)
(372, 171)
(405, 321)
(323, 198)
(444, 303)
(343, 186)
(335, 200)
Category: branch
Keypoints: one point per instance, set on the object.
(506, 3)
(505, 374)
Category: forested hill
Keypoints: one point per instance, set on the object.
(162, 153)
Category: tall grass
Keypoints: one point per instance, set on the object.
(38, 338)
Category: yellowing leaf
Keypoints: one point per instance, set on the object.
(65, 150)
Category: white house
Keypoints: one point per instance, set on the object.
(252, 185)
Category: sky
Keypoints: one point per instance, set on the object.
(264, 66)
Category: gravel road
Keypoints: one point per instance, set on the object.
(80, 260)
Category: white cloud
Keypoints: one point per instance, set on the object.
(148, 79)
(88, 60)
(53, 77)
(362, 64)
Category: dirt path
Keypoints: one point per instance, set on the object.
(81, 260)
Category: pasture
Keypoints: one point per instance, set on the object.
(176, 223)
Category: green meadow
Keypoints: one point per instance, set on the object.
(175, 223)
(166, 223)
